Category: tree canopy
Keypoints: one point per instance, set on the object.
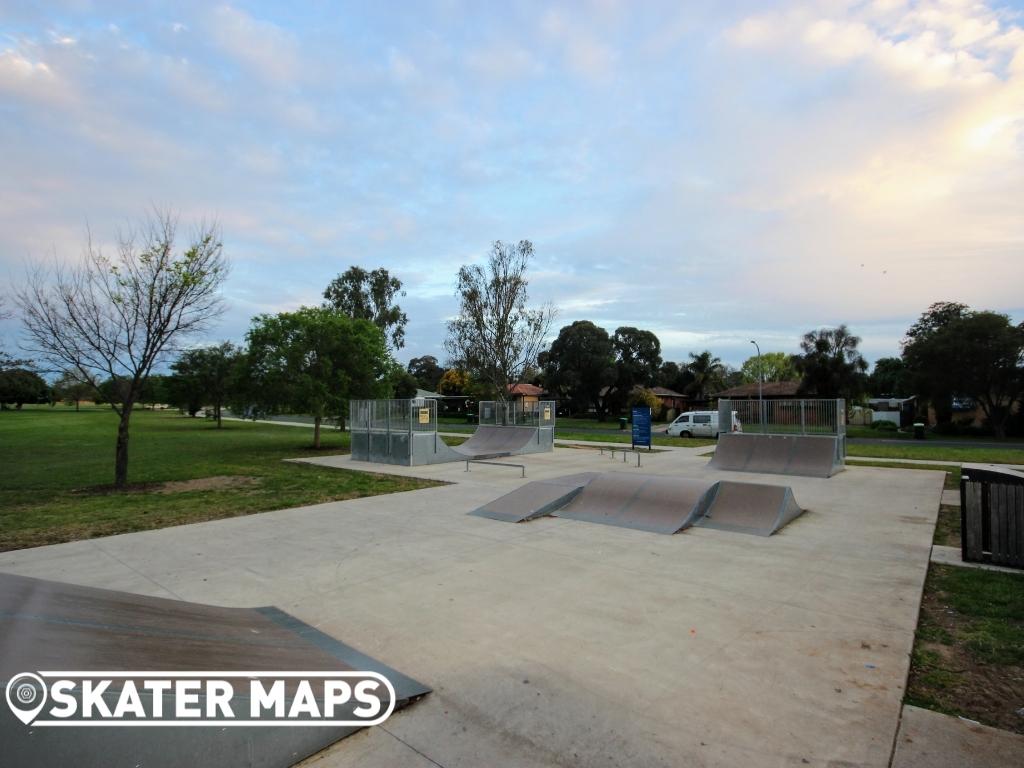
(771, 366)
(957, 351)
(580, 363)
(370, 296)
(204, 376)
(496, 335)
(831, 365)
(314, 360)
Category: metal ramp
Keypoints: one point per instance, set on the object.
(655, 503)
(489, 442)
(48, 625)
(752, 508)
(535, 499)
(806, 455)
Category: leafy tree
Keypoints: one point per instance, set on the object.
(71, 389)
(580, 363)
(771, 366)
(496, 336)
(708, 374)
(117, 318)
(932, 382)
(426, 371)
(645, 397)
(370, 296)
(831, 366)
(889, 378)
(314, 360)
(637, 362)
(674, 376)
(455, 381)
(974, 354)
(204, 376)
(20, 385)
(403, 383)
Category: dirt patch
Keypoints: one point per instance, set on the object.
(949, 674)
(214, 483)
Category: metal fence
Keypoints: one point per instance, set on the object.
(786, 417)
(414, 416)
(517, 413)
(992, 516)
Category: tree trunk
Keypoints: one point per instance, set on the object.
(121, 454)
(76, 406)
(316, 431)
(217, 409)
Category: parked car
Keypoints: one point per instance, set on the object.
(700, 424)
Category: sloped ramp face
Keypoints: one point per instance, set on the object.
(535, 499)
(644, 502)
(750, 508)
(490, 442)
(47, 625)
(805, 455)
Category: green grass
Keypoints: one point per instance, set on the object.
(952, 473)
(55, 463)
(968, 656)
(926, 452)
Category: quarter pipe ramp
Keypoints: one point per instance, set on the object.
(806, 455)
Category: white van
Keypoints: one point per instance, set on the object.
(699, 424)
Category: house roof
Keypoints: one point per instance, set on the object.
(528, 390)
(427, 394)
(770, 389)
(666, 392)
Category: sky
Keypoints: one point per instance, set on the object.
(713, 172)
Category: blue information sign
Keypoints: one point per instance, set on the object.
(641, 426)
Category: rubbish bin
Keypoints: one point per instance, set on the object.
(918, 430)
(622, 422)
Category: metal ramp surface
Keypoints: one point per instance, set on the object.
(752, 508)
(655, 503)
(806, 455)
(535, 499)
(48, 625)
(492, 441)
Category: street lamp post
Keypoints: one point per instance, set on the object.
(760, 383)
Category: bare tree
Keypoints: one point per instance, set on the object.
(495, 335)
(115, 318)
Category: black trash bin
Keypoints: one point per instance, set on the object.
(622, 422)
(918, 430)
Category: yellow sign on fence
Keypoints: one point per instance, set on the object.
(547, 413)
(424, 415)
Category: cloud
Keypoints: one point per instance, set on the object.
(262, 47)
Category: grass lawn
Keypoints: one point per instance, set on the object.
(183, 470)
(966, 454)
(968, 656)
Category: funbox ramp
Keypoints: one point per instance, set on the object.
(48, 625)
(806, 455)
(656, 503)
(487, 442)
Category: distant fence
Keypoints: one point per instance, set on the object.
(992, 516)
(517, 413)
(786, 417)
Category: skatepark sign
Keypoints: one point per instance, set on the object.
(641, 426)
(220, 699)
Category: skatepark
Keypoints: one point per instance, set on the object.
(558, 641)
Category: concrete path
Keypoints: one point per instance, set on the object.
(558, 642)
(953, 556)
(932, 740)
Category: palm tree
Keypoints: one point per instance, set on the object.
(707, 371)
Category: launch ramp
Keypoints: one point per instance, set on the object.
(752, 508)
(48, 625)
(535, 499)
(655, 503)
